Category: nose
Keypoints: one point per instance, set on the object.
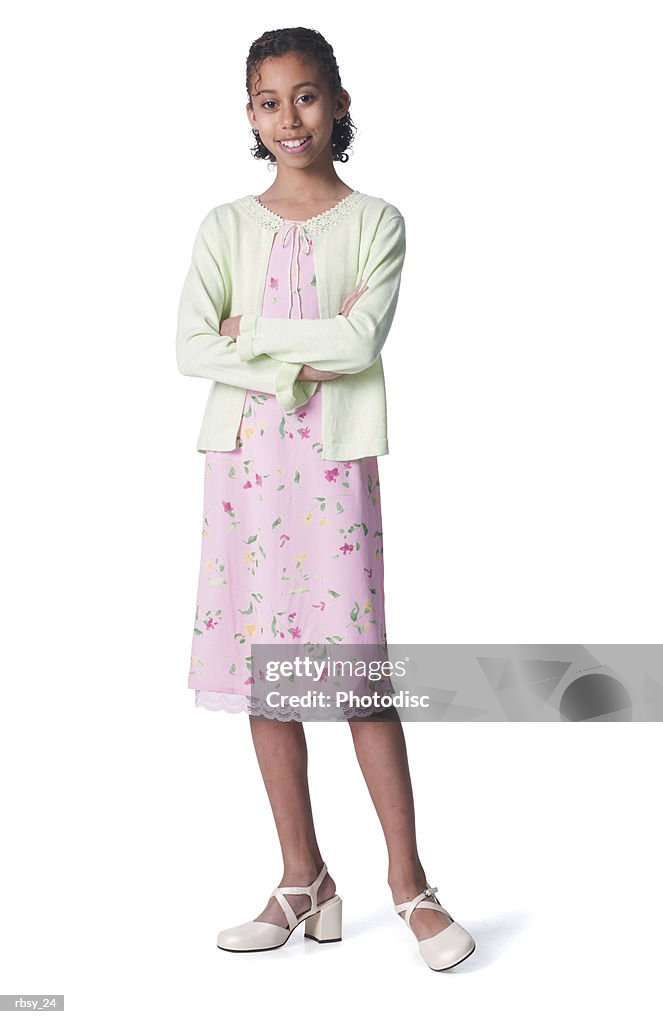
(290, 117)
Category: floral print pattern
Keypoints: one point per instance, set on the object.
(291, 543)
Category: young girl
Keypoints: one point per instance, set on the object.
(287, 304)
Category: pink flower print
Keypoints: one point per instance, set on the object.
(283, 538)
(211, 623)
(227, 507)
(348, 465)
(247, 484)
(292, 615)
(304, 431)
(369, 572)
(295, 631)
(331, 474)
(347, 547)
(258, 480)
(274, 283)
(321, 606)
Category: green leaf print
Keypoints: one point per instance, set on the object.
(339, 507)
(277, 522)
(370, 483)
(297, 476)
(282, 427)
(333, 593)
(231, 472)
(246, 611)
(252, 539)
(355, 612)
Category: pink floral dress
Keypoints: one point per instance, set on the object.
(291, 542)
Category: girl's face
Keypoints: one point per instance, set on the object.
(292, 101)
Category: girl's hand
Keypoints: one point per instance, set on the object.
(349, 300)
(229, 327)
(310, 373)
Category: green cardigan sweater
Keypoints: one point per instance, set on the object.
(360, 239)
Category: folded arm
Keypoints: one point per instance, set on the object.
(202, 352)
(346, 344)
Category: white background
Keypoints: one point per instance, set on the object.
(521, 503)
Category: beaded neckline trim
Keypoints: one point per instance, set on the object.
(313, 226)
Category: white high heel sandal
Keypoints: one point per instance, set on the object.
(450, 946)
(323, 922)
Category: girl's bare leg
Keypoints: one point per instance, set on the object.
(382, 755)
(283, 758)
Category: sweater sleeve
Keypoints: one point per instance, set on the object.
(202, 352)
(343, 344)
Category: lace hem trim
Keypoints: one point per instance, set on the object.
(235, 703)
(314, 225)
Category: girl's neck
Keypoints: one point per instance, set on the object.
(305, 191)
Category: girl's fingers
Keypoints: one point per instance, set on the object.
(350, 299)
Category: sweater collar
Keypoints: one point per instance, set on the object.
(324, 221)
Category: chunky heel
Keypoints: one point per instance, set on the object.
(325, 926)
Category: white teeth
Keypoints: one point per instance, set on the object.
(293, 143)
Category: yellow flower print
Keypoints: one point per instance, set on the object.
(368, 606)
(250, 628)
(301, 556)
(250, 556)
(308, 517)
(249, 431)
(323, 521)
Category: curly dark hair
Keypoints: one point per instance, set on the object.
(306, 42)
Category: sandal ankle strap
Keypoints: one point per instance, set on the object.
(299, 890)
(409, 906)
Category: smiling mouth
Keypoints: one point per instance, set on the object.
(294, 145)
